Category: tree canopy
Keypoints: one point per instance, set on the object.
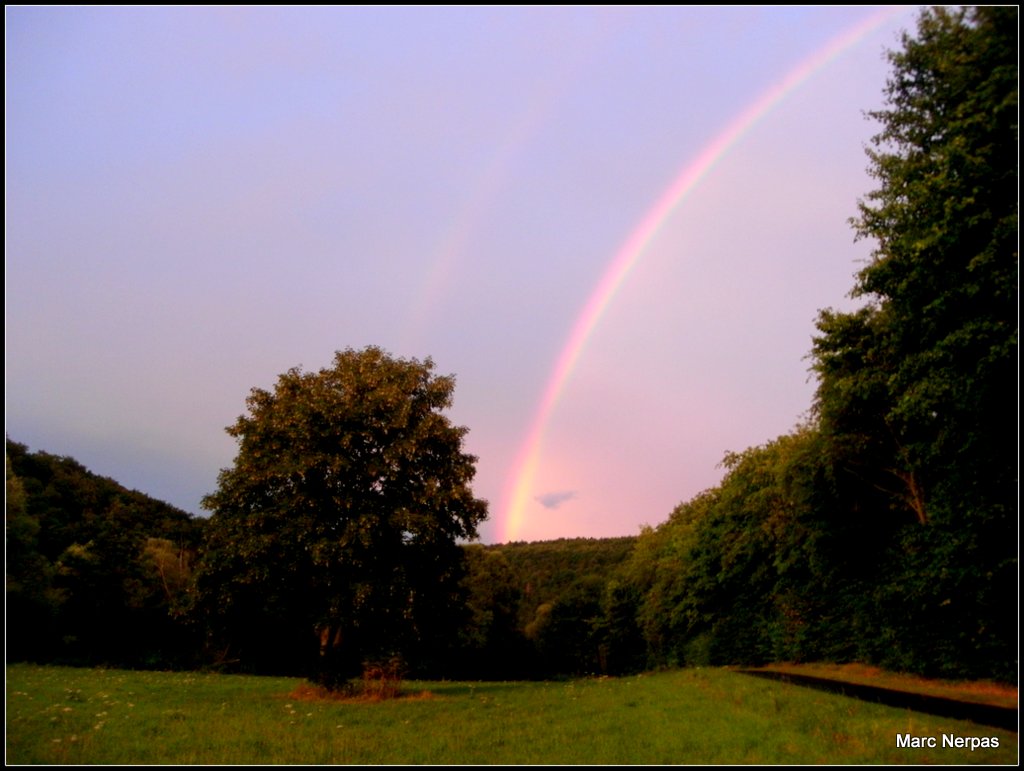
(335, 535)
(917, 390)
(924, 376)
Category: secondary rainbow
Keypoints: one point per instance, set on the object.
(520, 485)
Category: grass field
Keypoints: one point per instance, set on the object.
(696, 716)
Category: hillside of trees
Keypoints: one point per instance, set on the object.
(884, 529)
(539, 609)
(96, 573)
(101, 575)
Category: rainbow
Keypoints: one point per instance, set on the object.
(519, 487)
(488, 185)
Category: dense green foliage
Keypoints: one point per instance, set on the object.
(60, 716)
(334, 537)
(545, 607)
(915, 389)
(95, 573)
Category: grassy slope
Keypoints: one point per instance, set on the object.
(695, 716)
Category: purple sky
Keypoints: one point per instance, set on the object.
(199, 199)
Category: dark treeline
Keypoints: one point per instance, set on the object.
(882, 530)
(539, 609)
(96, 573)
(749, 572)
(101, 575)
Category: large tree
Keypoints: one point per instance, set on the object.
(918, 390)
(335, 536)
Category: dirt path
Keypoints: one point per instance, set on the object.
(993, 715)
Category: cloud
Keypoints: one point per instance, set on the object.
(554, 500)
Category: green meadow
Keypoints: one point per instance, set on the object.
(61, 715)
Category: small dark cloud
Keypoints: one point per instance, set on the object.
(554, 500)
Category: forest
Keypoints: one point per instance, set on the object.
(882, 529)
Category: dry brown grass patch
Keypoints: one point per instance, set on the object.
(312, 692)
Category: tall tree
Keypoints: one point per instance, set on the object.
(335, 535)
(937, 354)
(917, 390)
